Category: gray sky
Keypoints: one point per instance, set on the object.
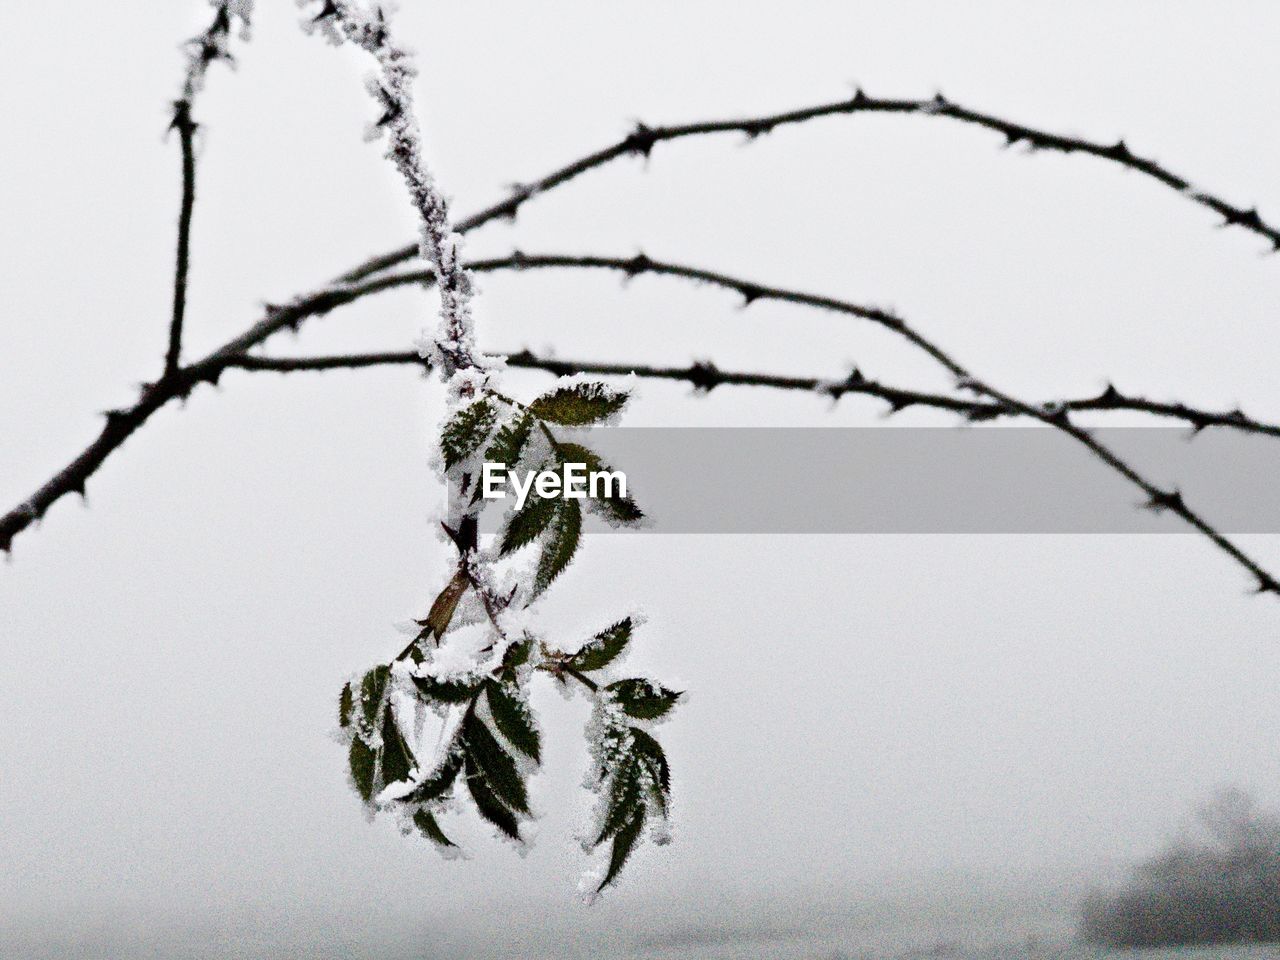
(868, 714)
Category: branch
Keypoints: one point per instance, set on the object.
(642, 140)
(186, 128)
(707, 376)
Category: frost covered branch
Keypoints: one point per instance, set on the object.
(474, 682)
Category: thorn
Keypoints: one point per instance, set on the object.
(182, 121)
(860, 99)
(1011, 137)
(1161, 501)
(518, 259)
(750, 293)
(1109, 397)
(756, 128)
(1251, 219)
(1235, 417)
(638, 264)
(641, 140)
(1267, 584)
(1120, 151)
(329, 10)
(703, 375)
(115, 418)
(523, 358)
(1056, 414)
(855, 378)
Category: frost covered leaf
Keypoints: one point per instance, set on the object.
(363, 761)
(441, 613)
(561, 544)
(615, 508)
(372, 687)
(446, 691)
(439, 784)
(517, 656)
(624, 841)
(397, 761)
(654, 759)
(643, 699)
(528, 523)
(514, 721)
(426, 824)
(602, 649)
(466, 430)
(578, 404)
(498, 769)
(487, 803)
(346, 704)
(508, 443)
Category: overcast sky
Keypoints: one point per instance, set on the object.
(869, 716)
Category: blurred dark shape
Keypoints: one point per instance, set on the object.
(1222, 888)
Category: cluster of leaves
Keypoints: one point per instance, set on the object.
(512, 434)
(490, 742)
(631, 768)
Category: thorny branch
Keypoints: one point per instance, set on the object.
(179, 381)
(641, 141)
(705, 376)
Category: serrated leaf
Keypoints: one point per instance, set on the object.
(446, 691)
(528, 523)
(624, 841)
(642, 699)
(516, 656)
(602, 649)
(363, 762)
(442, 609)
(500, 772)
(578, 404)
(508, 443)
(625, 799)
(396, 757)
(651, 755)
(560, 546)
(346, 704)
(512, 718)
(435, 787)
(487, 803)
(616, 508)
(425, 821)
(466, 430)
(372, 687)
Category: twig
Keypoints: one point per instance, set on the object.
(641, 141)
(186, 127)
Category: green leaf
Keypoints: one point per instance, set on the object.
(560, 546)
(579, 404)
(625, 799)
(642, 699)
(446, 691)
(651, 754)
(466, 430)
(616, 508)
(513, 720)
(516, 656)
(397, 759)
(346, 704)
(624, 842)
(527, 523)
(508, 442)
(487, 803)
(363, 762)
(605, 647)
(435, 787)
(500, 771)
(372, 687)
(426, 823)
